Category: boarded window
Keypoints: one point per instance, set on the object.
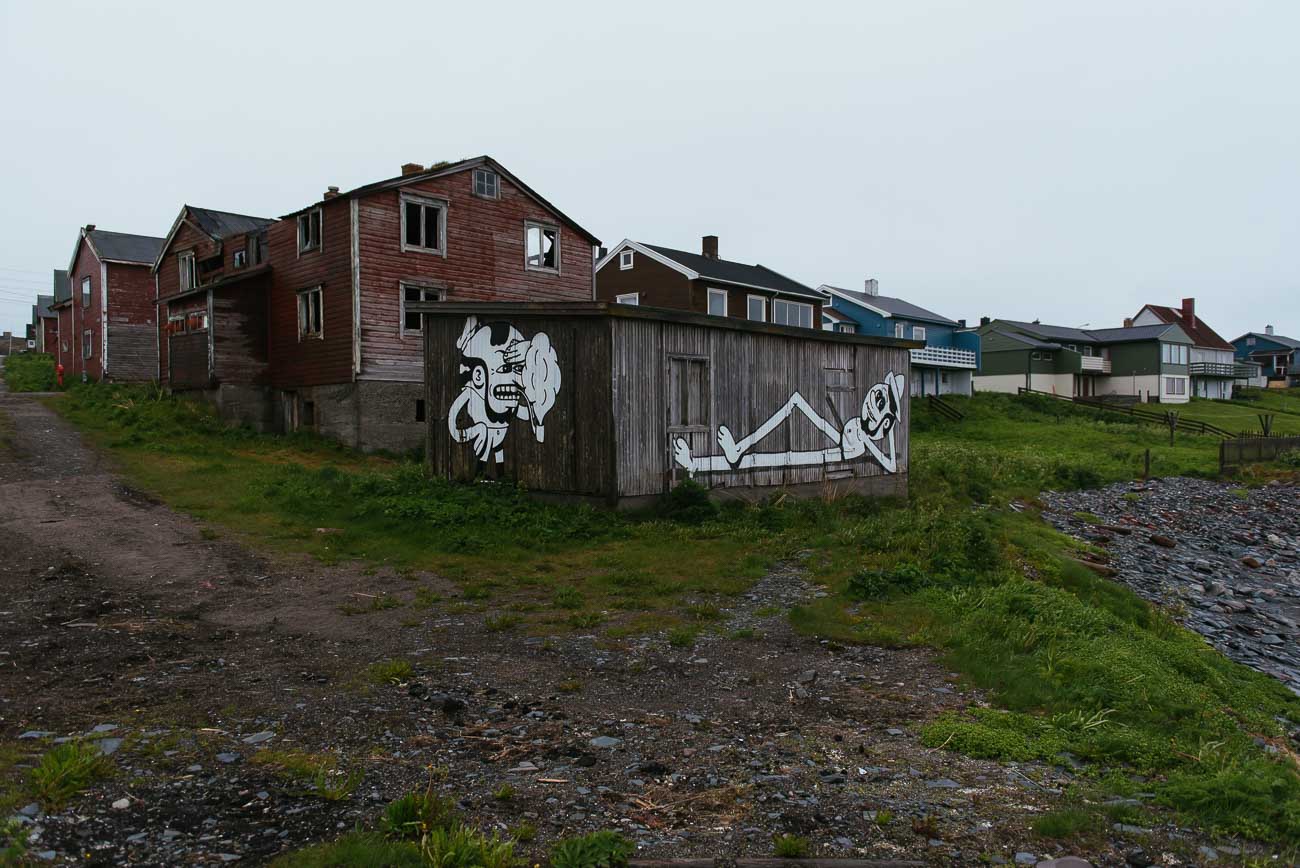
(543, 246)
(688, 393)
(175, 325)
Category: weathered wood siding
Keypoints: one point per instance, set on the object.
(634, 381)
(240, 353)
(132, 325)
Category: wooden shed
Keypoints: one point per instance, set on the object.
(617, 404)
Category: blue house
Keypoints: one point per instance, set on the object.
(1277, 356)
(951, 354)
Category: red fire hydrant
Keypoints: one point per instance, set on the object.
(58, 369)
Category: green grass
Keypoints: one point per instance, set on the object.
(1268, 400)
(603, 849)
(791, 847)
(30, 372)
(1073, 662)
(1238, 417)
(308, 774)
(356, 850)
(67, 770)
(388, 672)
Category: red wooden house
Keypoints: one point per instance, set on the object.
(106, 326)
(213, 277)
(347, 359)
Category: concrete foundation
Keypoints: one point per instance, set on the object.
(368, 414)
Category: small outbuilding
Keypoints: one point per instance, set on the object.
(617, 404)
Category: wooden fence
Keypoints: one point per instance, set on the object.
(1246, 450)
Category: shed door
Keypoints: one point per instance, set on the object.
(688, 407)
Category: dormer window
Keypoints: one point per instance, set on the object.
(486, 184)
(188, 276)
(542, 246)
(309, 230)
(625, 260)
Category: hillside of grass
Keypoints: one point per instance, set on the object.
(1241, 417)
(1077, 665)
(29, 372)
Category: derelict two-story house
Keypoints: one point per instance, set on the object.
(1143, 363)
(106, 314)
(347, 359)
(947, 362)
(1278, 356)
(212, 277)
(1212, 365)
(647, 274)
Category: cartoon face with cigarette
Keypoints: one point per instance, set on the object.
(502, 376)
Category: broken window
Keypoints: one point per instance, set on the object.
(310, 314)
(240, 258)
(419, 409)
(308, 418)
(188, 276)
(411, 320)
(792, 313)
(210, 264)
(175, 325)
(197, 321)
(486, 184)
(542, 244)
(423, 224)
(256, 250)
(632, 298)
(309, 230)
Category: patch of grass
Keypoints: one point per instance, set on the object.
(603, 849)
(66, 770)
(791, 847)
(502, 623)
(883, 817)
(744, 634)
(567, 597)
(570, 686)
(30, 372)
(1067, 823)
(356, 850)
(208, 533)
(461, 846)
(524, 832)
(425, 598)
(311, 774)
(392, 671)
(504, 793)
(13, 842)
(682, 637)
(585, 620)
(416, 814)
(703, 612)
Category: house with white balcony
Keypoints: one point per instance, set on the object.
(1212, 367)
(950, 357)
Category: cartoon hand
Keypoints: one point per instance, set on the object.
(682, 454)
(728, 443)
(479, 433)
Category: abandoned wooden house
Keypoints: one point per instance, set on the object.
(616, 404)
(106, 310)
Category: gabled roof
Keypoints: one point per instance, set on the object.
(1027, 340)
(1282, 340)
(121, 247)
(1094, 336)
(62, 286)
(830, 313)
(887, 306)
(1200, 333)
(1050, 331)
(442, 169)
(695, 266)
(42, 308)
(224, 224)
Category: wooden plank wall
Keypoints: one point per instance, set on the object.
(239, 328)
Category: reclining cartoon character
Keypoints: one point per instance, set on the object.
(502, 376)
(869, 432)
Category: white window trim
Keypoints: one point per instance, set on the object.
(559, 251)
(402, 287)
(181, 259)
(763, 301)
(801, 305)
(234, 258)
(302, 334)
(320, 241)
(725, 295)
(434, 202)
(899, 328)
(87, 294)
(473, 183)
(626, 260)
(918, 333)
(629, 298)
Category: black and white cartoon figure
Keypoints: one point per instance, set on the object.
(502, 376)
(872, 432)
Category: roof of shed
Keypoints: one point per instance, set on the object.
(727, 271)
(121, 247)
(1200, 333)
(891, 306)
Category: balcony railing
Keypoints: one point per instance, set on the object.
(944, 357)
(1213, 369)
(1095, 364)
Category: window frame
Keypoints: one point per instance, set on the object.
(183, 259)
(749, 307)
(179, 329)
(87, 293)
(202, 315)
(918, 333)
(87, 343)
(309, 246)
(708, 304)
(255, 249)
(626, 260)
(424, 202)
(622, 298)
(239, 258)
(846, 328)
(424, 288)
(799, 305)
(530, 225)
(305, 314)
(485, 173)
(899, 328)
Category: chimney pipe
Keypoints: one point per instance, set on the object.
(1268, 330)
(604, 251)
(331, 193)
(709, 246)
(90, 227)
(984, 320)
(1189, 312)
(961, 323)
(1128, 322)
(871, 286)
(412, 168)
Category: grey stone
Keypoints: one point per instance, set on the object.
(30, 810)
(108, 746)
(943, 784)
(1026, 859)
(36, 733)
(227, 758)
(606, 741)
(259, 737)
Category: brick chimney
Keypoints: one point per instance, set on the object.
(709, 247)
(412, 168)
(1128, 322)
(90, 227)
(1189, 312)
(984, 320)
(1268, 330)
(331, 193)
(871, 286)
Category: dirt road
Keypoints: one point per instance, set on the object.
(203, 669)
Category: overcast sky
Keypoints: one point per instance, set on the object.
(1062, 161)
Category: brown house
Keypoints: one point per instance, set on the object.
(107, 327)
(212, 278)
(647, 274)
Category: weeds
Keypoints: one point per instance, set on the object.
(567, 597)
(461, 846)
(502, 623)
(604, 849)
(392, 671)
(791, 847)
(67, 770)
(416, 814)
(30, 372)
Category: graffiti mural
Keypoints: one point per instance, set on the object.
(503, 376)
(872, 431)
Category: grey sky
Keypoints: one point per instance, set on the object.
(1067, 161)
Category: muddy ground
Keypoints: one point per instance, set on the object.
(189, 658)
